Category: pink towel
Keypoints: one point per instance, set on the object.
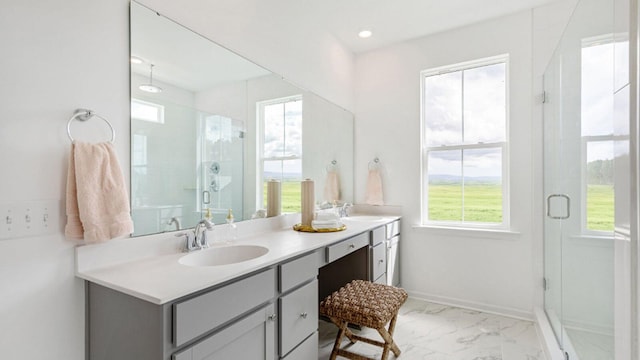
(373, 195)
(331, 187)
(97, 200)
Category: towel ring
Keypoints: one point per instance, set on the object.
(374, 164)
(84, 115)
(332, 166)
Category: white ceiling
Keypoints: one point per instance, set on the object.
(176, 51)
(394, 21)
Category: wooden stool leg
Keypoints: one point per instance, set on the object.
(388, 339)
(343, 326)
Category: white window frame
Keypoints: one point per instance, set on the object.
(504, 145)
(260, 105)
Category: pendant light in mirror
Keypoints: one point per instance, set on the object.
(150, 87)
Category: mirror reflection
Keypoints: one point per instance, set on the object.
(210, 128)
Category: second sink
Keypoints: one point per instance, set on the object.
(216, 256)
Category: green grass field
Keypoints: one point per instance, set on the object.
(600, 210)
(483, 203)
(290, 195)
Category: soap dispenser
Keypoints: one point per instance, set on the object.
(232, 231)
(207, 214)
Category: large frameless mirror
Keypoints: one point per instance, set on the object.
(209, 128)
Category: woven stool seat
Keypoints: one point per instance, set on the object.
(366, 304)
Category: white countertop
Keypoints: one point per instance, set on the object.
(148, 267)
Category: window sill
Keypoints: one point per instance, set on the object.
(499, 234)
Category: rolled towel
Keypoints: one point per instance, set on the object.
(325, 224)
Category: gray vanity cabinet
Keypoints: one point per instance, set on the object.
(384, 265)
(236, 320)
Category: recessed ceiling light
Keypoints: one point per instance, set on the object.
(365, 34)
(136, 60)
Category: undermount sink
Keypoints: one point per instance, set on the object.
(363, 218)
(216, 256)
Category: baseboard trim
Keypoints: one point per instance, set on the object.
(472, 305)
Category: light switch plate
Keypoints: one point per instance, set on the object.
(29, 218)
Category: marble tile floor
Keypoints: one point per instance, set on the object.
(437, 332)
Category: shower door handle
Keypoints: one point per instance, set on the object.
(563, 196)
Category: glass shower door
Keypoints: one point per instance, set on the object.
(552, 227)
(578, 185)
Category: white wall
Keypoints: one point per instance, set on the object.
(59, 55)
(462, 267)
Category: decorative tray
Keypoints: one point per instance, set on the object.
(308, 228)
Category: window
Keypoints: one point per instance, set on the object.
(147, 111)
(281, 150)
(597, 130)
(464, 141)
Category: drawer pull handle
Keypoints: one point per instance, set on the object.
(352, 246)
(272, 317)
(380, 261)
(304, 315)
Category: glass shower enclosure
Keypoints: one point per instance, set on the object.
(584, 156)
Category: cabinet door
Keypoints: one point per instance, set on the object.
(298, 316)
(253, 337)
(378, 261)
(393, 261)
(308, 350)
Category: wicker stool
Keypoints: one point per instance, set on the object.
(366, 304)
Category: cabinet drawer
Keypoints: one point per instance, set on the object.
(378, 261)
(392, 229)
(378, 235)
(298, 316)
(298, 271)
(346, 247)
(307, 350)
(203, 313)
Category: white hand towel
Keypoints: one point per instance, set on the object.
(373, 195)
(331, 187)
(97, 200)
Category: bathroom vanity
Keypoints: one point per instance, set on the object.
(142, 303)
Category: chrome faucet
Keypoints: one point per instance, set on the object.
(175, 221)
(343, 210)
(200, 233)
(197, 239)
